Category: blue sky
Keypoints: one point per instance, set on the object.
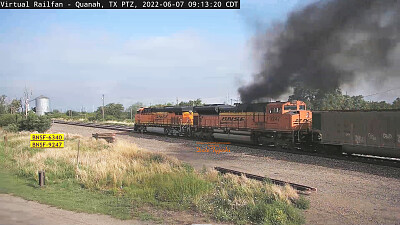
(151, 56)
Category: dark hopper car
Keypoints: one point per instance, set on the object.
(361, 132)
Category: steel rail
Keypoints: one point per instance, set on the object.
(298, 187)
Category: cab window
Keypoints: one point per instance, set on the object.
(290, 107)
(302, 107)
(274, 110)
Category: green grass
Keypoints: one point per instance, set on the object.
(66, 195)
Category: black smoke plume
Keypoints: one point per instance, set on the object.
(327, 44)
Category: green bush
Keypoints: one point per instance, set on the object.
(92, 118)
(302, 203)
(35, 123)
(13, 127)
(6, 119)
(56, 115)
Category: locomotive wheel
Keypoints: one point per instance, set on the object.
(167, 131)
(198, 135)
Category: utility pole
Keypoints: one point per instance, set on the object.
(26, 95)
(131, 113)
(103, 107)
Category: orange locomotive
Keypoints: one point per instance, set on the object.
(174, 120)
(274, 123)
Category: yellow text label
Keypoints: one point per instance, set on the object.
(47, 144)
(47, 137)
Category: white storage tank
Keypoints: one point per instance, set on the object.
(42, 105)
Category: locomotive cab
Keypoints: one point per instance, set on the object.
(292, 115)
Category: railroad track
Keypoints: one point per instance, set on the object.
(354, 158)
(298, 187)
(96, 125)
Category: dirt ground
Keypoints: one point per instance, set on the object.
(348, 192)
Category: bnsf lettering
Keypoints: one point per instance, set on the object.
(274, 118)
(233, 118)
(304, 120)
(161, 116)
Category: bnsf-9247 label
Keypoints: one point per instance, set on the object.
(47, 144)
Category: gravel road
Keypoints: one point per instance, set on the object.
(348, 192)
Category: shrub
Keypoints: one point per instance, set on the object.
(35, 123)
(11, 127)
(302, 203)
(92, 118)
(6, 119)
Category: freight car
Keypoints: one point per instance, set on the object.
(362, 132)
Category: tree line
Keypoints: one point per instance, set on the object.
(116, 111)
(335, 100)
(12, 118)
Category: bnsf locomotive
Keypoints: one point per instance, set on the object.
(284, 124)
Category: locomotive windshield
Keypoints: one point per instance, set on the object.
(290, 107)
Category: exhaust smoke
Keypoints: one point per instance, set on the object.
(327, 44)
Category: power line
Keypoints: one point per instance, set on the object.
(382, 92)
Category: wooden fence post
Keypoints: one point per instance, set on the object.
(42, 178)
(77, 156)
(5, 143)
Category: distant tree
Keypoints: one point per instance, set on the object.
(134, 107)
(359, 103)
(3, 104)
(162, 105)
(196, 102)
(309, 96)
(331, 100)
(396, 104)
(15, 106)
(71, 113)
(379, 105)
(111, 111)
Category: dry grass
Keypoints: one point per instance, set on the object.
(101, 165)
(157, 179)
